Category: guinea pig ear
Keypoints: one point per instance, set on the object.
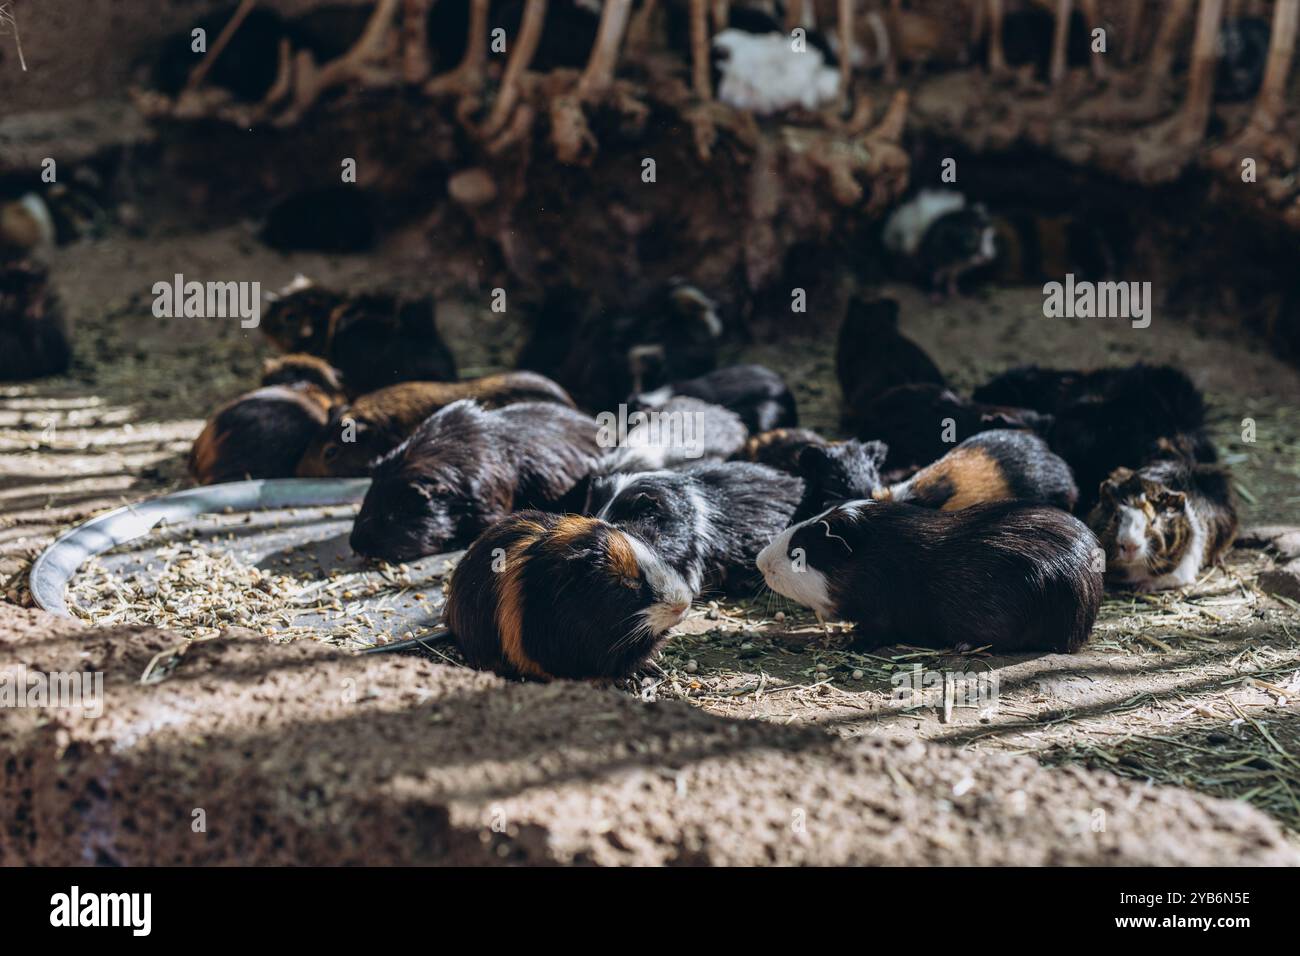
(1172, 501)
(814, 462)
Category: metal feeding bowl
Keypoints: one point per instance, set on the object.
(271, 555)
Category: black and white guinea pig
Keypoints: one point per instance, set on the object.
(682, 431)
(872, 356)
(757, 394)
(34, 335)
(708, 521)
(465, 468)
(938, 237)
(1015, 576)
(919, 423)
(991, 466)
(544, 595)
(838, 472)
(1165, 522)
(780, 448)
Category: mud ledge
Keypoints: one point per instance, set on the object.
(297, 754)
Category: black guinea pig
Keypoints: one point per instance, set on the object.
(602, 357)
(260, 434)
(466, 467)
(543, 595)
(992, 466)
(1010, 575)
(683, 431)
(378, 421)
(708, 522)
(780, 448)
(757, 394)
(838, 472)
(872, 356)
(33, 329)
(920, 422)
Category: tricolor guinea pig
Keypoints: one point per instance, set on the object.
(467, 467)
(1016, 576)
(919, 422)
(872, 356)
(544, 595)
(33, 329)
(300, 367)
(708, 522)
(990, 466)
(757, 394)
(260, 434)
(378, 421)
(1163, 523)
(683, 431)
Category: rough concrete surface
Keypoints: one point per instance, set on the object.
(384, 763)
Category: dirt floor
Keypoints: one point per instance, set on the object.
(1199, 689)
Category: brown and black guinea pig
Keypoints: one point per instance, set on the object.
(873, 356)
(757, 394)
(1016, 576)
(467, 467)
(374, 339)
(1165, 522)
(544, 595)
(780, 448)
(33, 329)
(260, 434)
(919, 422)
(359, 433)
(990, 466)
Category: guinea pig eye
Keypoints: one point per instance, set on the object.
(644, 502)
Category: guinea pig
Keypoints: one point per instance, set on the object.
(466, 467)
(34, 339)
(937, 237)
(1016, 576)
(872, 356)
(838, 472)
(301, 367)
(601, 358)
(708, 522)
(919, 422)
(26, 224)
(682, 431)
(359, 433)
(1032, 386)
(754, 392)
(780, 448)
(1163, 523)
(260, 434)
(544, 595)
(336, 218)
(1119, 420)
(990, 466)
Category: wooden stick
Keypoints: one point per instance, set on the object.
(200, 72)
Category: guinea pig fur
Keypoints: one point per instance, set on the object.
(466, 467)
(683, 431)
(379, 421)
(708, 522)
(757, 394)
(260, 434)
(780, 448)
(543, 595)
(990, 466)
(1165, 522)
(1016, 576)
(34, 338)
(872, 356)
(301, 367)
(911, 420)
(838, 472)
